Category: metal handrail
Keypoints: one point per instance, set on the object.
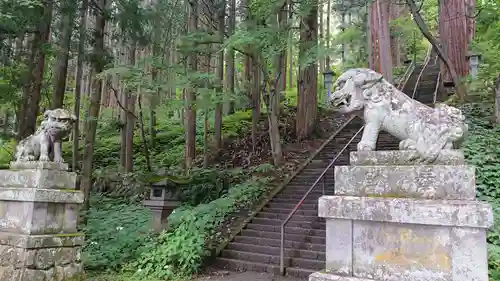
(426, 62)
(321, 177)
(436, 89)
(406, 76)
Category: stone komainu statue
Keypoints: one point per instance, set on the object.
(45, 143)
(421, 128)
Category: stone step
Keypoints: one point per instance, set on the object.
(259, 241)
(288, 229)
(282, 217)
(292, 237)
(305, 206)
(302, 224)
(274, 259)
(299, 212)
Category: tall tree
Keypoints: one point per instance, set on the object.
(307, 81)
(67, 11)
(190, 94)
(78, 87)
(31, 98)
(98, 63)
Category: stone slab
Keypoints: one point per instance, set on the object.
(339, 246)
(38, 165)
(38, 178)
(401, 252)
(41, 241)
(41, 195)
(407, 210)
(470, 254)
(402, 158)
(326, 276)
(32, 217)
(424, 181)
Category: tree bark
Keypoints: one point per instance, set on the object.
(190, 115)
(497, 99)
(307, 82)
(454, 37)
(230, 75)
(95, 101)
(31, 97)
(64, 41)
(460, 88)
(78, 86)
(328, 12)
(220, 76)
(130, 98)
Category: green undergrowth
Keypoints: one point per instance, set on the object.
(115, 231)
(482, 149)
(181, 250)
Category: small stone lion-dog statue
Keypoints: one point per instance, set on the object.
(421, 128)
(46, 143)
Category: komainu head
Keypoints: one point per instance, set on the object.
(350, 89)
(57, 122)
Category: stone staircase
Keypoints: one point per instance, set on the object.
(257, 247)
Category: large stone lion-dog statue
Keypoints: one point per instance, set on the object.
(46, 143)
(421, 128)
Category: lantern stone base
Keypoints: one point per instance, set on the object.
(405, 222)
(54, 257)
(160, 211)
(38, 223)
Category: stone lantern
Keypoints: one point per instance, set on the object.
(163, 199)
(474, 60)
(328, 82)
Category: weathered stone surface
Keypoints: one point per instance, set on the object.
(469, 254)
(339, 250)
(58, 273)
(38, 178)
(38, 217)
(41, 195)
(38, 165)
(41, 241)
(424, 181)
(327, 276)
(402, 157)
(405, 210)
(401, 252)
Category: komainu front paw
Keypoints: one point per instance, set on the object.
(30, 158)
(58, 160)
(44, 158)
(365, 146)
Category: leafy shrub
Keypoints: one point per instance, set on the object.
(115, 231)
(482, 149)
(180, 251)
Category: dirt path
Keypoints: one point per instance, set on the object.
(243, 276)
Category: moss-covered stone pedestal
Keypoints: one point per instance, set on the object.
(38, 223)
(395, 220)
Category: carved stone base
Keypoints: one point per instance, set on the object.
(40, 257)
(407, 222)
(39, 208)
(324, 276)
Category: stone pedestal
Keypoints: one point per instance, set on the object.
(392, 220)
(38, 223)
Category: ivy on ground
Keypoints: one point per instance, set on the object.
(482, 149)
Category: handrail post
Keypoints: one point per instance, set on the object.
(282, 251)
(324, 185)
